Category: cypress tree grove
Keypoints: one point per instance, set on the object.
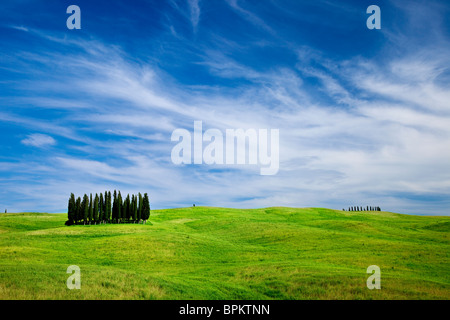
(98, 209)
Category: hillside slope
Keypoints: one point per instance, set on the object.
(221, 253)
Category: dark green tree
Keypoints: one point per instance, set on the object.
(91, 210)
(134, 208)
(85, 208)
(78, 210)
(139, 212)
(125, 210)
(96, 208)
(101, 208)
(119, 207)
(108, 205)
(114, 207)
(105, 199)
(145, 208)
(71, 210)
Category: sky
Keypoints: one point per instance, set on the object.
(363, 115)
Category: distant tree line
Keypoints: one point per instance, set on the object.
(98, 210)
(361, 208)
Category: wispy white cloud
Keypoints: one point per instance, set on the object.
(250, 16)
(38, 140)
(21, 28)
(194, 9)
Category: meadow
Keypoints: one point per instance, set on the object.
(222, 253)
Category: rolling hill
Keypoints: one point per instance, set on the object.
(221, 253)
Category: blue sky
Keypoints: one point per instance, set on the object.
(364, 115)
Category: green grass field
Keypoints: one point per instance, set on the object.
(220, 253)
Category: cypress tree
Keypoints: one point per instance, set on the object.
(134, 208)
(82, 210)
(126, 208)
(130, 208)
(114, 207)
(71, 212)
(78, 210)
(91, 210)
(108, 205)
(119, 207)
(96, 209)
(100, 208)
(139, 212)
(146, 208)
(105, 200)
(85, 208)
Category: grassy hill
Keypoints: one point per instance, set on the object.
(220, 253)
